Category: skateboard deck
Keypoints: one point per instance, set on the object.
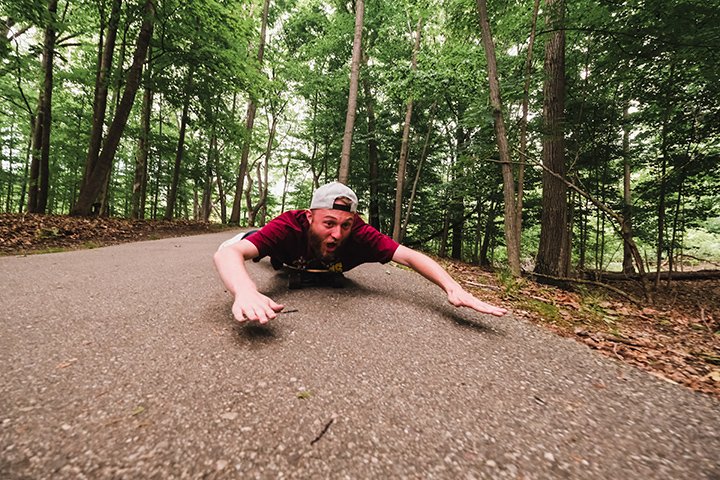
(300, 277)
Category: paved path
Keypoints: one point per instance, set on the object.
(123, 362)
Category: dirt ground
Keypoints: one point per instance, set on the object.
(676, 338)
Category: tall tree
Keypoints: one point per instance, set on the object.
(139, 189)
(553, 252)
(40, 166)
(627, 264)
(90, 189)
(107, 47)
(344, 170)
(404, 146)
(373, 156)
(249, 122)
(512, 229)
(180, 151)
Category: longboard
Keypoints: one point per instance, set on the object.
(301, 277)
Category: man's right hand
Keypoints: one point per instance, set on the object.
(255, 307)
(249, 304)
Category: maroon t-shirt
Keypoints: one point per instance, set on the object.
(285, 238)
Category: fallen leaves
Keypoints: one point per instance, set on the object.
(22, 233)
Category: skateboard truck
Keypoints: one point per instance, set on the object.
(315, 274)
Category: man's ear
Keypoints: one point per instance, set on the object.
(308, 215)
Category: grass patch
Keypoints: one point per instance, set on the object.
(547, 311)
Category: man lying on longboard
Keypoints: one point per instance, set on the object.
(332, 232)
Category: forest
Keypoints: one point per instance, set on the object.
(564, 138)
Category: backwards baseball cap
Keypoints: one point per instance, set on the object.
(325, 196)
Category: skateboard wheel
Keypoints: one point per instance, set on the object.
(294, 281)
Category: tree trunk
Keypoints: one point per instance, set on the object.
(139, 190)
(457, 204)
(210, 166)
(101, 90)
(344, 169)
(249, 122)
(373, 158)
(172, 194)
(286, 174)
(263, 184)
(489, 234)
(248, 194)
(523, 127)
(423, 155)
(627, 194)
(24, 184)
(158, 167)
(90, 191)
(404, 146)
(673, 238)
(512, 233)
(40, 166)
(221, 195)
(553, 256)
(661, 222)
(11, 174)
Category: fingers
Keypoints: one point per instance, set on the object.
(470, 301)
(276, 306)
(258, 309)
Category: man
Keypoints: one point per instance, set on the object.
(330, 233)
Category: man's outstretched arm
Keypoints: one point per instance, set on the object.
(249, 304)
(430, 269)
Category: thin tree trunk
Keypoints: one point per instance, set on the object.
(172, 194)
(523, 126)
(221, 195)
(627, 193)
(512, 233)
(661, 206)
(673, 238)
(248, 194)
(404, 146)
(249, 122)
(286, 173)
(139, 190)
(373, 157)
(40, 166)
(344, 169)
(262, 202)
(489, 234)
(210, 166)
(25, 180)
(423, 155)
(457, 204)
(158, 168)
(11, 175)
(90, 191)
(553, 256)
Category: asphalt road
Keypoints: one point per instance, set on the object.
(124, 362)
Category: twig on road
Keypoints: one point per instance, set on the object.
(324, 430)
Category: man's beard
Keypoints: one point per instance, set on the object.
(315, 242)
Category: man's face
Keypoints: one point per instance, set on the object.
(328, 230)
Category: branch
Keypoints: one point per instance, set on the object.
(634, 300)
(18, 33)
